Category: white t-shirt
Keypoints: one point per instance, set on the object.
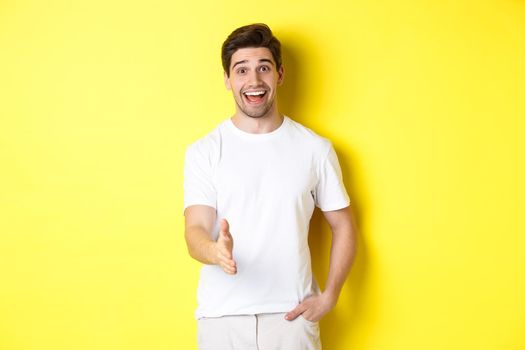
(266, 186)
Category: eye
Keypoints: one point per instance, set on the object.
(264, 68)
(241, 71)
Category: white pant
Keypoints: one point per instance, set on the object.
(269, 331)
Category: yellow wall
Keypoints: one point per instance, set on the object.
(422, 99)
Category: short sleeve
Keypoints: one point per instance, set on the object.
(198, 171)
(330, 193)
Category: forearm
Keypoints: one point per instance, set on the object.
(342, 255)
(200, 245)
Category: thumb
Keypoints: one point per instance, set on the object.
(225, 226)
(292, 315)
(224, 232)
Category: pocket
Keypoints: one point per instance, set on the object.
(313, 323)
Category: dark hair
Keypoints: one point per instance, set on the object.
(253, 35)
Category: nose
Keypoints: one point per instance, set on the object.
(254, 78)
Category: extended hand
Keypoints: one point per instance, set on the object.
(313, 308)
(224, 249)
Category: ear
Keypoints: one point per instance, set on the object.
(280, 73)
(227, 81)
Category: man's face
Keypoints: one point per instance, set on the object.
(253, 80)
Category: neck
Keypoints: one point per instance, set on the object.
(261, 125)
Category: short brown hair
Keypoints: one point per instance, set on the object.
(253, 35)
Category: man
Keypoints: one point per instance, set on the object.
(250, 188)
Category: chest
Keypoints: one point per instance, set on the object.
(274, 172)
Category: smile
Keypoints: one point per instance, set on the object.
(254, 97)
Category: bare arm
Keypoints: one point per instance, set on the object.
(342, 254)
(343, 249)
(199, 223)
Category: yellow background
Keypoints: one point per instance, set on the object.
(423, 100)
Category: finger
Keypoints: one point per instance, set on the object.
(227, 262)
(226, 236)
(225, 254)
(226, 259)
(292, 315)
(225, 246)
(225, 226)
(228, 269)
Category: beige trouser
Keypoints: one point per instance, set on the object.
(269, 331)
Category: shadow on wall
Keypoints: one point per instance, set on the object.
(336, 326)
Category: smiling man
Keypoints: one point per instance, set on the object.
(250, 188)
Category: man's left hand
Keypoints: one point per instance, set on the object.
(313, 308)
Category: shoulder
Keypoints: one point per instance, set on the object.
(207, 145)
(318, 143)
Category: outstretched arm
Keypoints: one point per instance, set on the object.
(342, 254)
(199, 222)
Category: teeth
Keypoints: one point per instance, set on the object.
(254, 93)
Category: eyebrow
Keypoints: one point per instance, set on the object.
(261, 60)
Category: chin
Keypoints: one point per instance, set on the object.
(255, 116)
(257, 113)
